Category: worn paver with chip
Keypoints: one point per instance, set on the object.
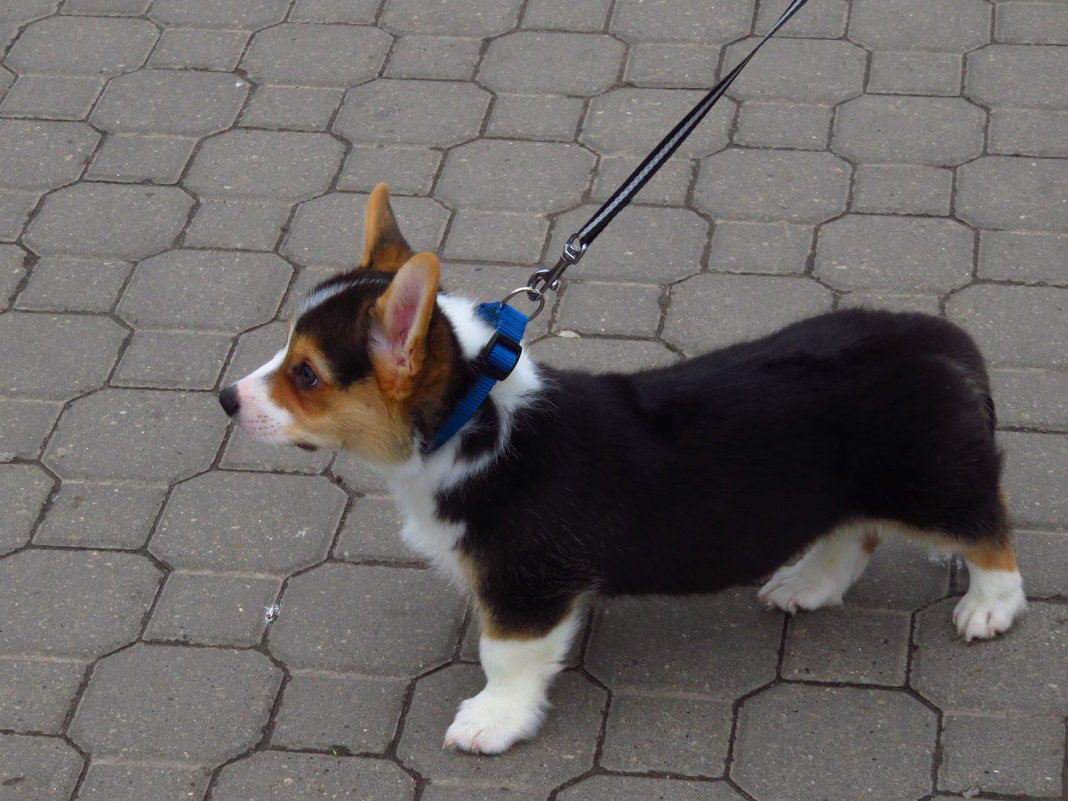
(188, 615)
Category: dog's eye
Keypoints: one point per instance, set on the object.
(305, 376)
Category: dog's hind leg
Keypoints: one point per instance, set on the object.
(825, 572)
(519, 666)
(995, 596)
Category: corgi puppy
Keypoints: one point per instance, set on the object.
(819, 439)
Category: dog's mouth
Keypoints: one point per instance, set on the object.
(306, 446)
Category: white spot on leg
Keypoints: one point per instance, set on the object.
(995, 598)
(822, 575)
(513, 703)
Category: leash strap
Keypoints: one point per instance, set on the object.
(495, 363)
(549, 278)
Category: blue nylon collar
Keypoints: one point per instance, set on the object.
(495, 363)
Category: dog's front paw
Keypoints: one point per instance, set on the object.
(491, 723)
(990, 606)
(800, 586)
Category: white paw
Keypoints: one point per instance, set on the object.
(993, 601)
(491, 724)
(801, 586)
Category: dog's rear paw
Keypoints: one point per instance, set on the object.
(801, 587)
(491, 724)
(990, 606)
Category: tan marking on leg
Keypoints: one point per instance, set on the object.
(870, 543)
(992, 555)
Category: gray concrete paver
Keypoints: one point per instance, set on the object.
(182, 172)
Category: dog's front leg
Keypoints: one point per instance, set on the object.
(518, 670)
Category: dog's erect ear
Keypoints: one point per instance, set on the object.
(384, 247)
(398, 342)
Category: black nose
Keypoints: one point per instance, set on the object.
(228, 400)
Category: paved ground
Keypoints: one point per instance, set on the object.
(186, 616)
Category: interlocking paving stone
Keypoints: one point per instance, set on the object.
(674, 735)
(205, 289)
(900, 576)
(1007, 675)
(562, 750)
(913, 130)
(601, 355)
(133, 8)
(631, 120)
(245, 453)
(990, 70)
(528, 62)
(792, 186)
(26, 487)
(37, 768)
(1001, 319)
(1031, 398)
(59, 97)
(1031, 23)
(310, 777)
(515, 176)
(137, 435)
(236, 224)
(297, 108)
(407, 171)
(335, 711)
(213, 610)
(293, 54)
(44, 154)
(362, 619)
(1034, 478)
(641, 250)
(328, 231)
(195, 48)
(393, 111)
(27, 10)
(254, 348)
(710, 311)
(668, 188)
(358, 12)
(1028, 132)
(915, 73)
(718, 646)
(445, 792)
(823, 20)
(486, 18)
(635, 788)
(15, 208)
(265, 165)
(949, 25)
(496, 236)
(588, 16)
(547, 117)
(172, 360)
(94, 515)
(73, 604)
(175, 703)
(138, 158)
(848, 646)
(689, 21)
(56, 357)
(1002, 755)
(83, 46)
(356, 476)
(248, 522)
(925, 304)
(621, 309)
(24, 425)
(74, 285)
(37, 694)
(125, 781)
(667, 64)
(213, 14)
(844, 742)
(752, 247)
(12, 271)
(109, 221)
(902, 189)
(804, 126)
(1043, 557)
(440, 57)
(372, 533)
(801, 70)
(884, 253)
(181, 102)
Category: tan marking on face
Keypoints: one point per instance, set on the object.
(992, 555)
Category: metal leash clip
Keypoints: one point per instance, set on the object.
(548, 278)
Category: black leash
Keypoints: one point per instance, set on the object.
(548, 278)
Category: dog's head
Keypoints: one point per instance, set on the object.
(369, 358)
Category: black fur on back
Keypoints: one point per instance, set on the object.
(714, 471)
